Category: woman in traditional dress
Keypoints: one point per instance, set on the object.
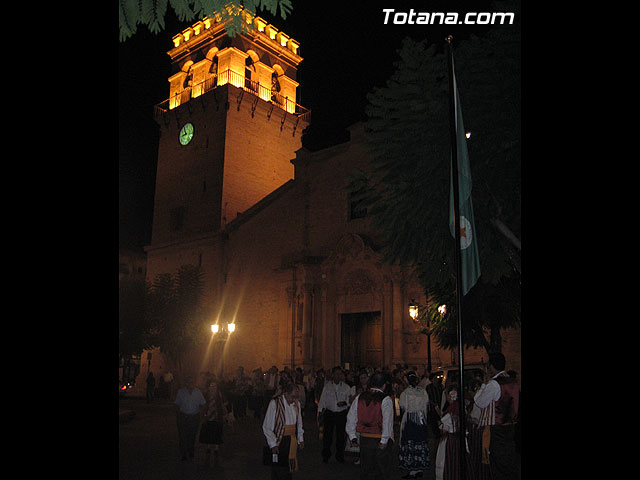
(448, 456)
(211, 430)
(414, 451)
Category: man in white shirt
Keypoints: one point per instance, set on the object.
(189, 404)
(371, 415)
(282, 428)
(501, 396)
(333, 406)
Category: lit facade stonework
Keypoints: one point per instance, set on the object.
(271, 225)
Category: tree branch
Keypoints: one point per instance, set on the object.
(504, 230)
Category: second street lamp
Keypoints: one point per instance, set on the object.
(221, 336)
(231, 327)
(413, 310)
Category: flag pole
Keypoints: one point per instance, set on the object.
(458, 260)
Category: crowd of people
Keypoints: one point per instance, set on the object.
(355, 411)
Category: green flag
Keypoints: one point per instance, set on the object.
(470, 261)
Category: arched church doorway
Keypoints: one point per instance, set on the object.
(361, 339)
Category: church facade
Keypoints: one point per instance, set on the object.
(287, 257)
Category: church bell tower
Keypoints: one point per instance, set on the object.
(228, 130)
(228, 133)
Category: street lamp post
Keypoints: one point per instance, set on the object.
(442, 310)
(414, 311)
(231, 327)
(222, 336)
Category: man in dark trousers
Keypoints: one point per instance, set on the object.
(371, 415)
(500, 393)
(189, 409)
(333, 406)
(283, 431)
(151, 386)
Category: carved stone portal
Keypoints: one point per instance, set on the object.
(358, 282)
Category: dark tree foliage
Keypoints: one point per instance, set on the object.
(151, 13)
(406, 189)
(174, 312)
(132, 326)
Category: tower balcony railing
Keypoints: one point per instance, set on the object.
(237, 80)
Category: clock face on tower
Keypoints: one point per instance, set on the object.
(186, 133)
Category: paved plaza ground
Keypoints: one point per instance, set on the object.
(148, 449)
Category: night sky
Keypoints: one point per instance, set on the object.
(347, 51)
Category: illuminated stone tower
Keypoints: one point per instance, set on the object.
(229, 128)
(228, 133)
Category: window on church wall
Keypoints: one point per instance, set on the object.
(211, 75)
(198, 78)
(176, 93)
(188, 79)
(183, 94)
(275, 89)
(249, 67)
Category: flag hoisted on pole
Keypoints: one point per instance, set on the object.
(470, 261)
(463, 230)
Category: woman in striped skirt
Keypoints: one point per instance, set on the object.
(414, 451)
(211, 430)
(448, 456)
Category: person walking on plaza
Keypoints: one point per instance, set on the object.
(500, 395)
(414, 430)
(151, 386)
(397, 386)
(162, 387)
(479, 433)
(357, 389)
(282, 428)
(371, 415)
(298, 379)
(308, 380)
(211, 430)
(239, 393)
(448, 456)
(189, 405)
(168, 381)
(257, 393)
(333, 406)
(318, 385)
(434, 391)
(271, 380)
